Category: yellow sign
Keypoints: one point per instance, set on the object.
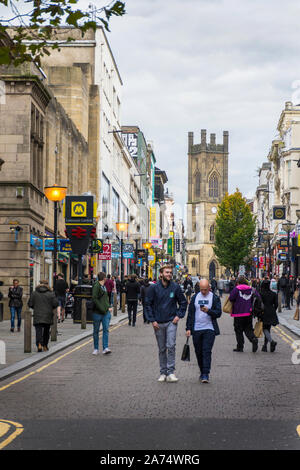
(78, 209)
(93, 261)
(298, 240)
(152, 222)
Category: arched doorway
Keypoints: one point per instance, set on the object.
(212, 270)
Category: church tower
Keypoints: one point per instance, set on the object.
(207, 186)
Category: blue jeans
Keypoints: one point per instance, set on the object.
(203, 343)
(97, 319)
(166, 341)
(13, 311)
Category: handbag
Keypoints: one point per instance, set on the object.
(258, 329)
(296, 294)
(227, 307)
(186, 351)
(296, 316)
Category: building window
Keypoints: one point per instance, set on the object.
(197, 185)
(115, 206)
(212, 233)
(105, 197)
(213, 186)
(194, 263)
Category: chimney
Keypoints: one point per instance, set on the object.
(191, 141)
(212, 139)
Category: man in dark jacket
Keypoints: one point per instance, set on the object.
(283, 288)
(43, 301)
(132, 290)
(15, 294)
(203, 311)
(144, 289)
(162, 311)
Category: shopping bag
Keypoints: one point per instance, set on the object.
(296, 316)
(296, 294)
(258, 329)
(186, 351)
(227, 307)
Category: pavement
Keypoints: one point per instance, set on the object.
(69, 333)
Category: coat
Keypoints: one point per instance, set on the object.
(270, 301)
(241, 296)
(132, 290)
(15, 296)
(164, 303)
(43, 301)
(100, 299)
(215, 312)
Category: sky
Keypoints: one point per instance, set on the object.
(218, 65)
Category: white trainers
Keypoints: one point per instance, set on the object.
(162, 378)
(172, 378)
(106, 351)
(95, 352)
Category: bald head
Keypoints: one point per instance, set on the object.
(204, 286)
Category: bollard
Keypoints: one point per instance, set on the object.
(123, 302)
(279, 301)
(54, 326)
(83, 314)
(27, 331)
(1, 312)
(115, 304)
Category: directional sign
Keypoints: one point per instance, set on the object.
(97, 246)
(79, 210)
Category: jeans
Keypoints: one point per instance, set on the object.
(13, 311)
(220, 292)
(166, 340)
(42, 331)
(97, 319)
(132, 308)
(203, 343)
(243, 325)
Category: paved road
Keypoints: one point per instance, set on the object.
(78, 401)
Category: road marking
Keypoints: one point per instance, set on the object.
(298, 430)
(5, 427)
(285, 334)
(123, 322)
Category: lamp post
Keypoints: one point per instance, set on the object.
(268, 237)
(122, 227)
(147, 246)
(264, 245)
(288, 227)
(55, 193)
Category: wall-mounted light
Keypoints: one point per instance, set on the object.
(16, 229)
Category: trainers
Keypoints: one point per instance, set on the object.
(172, 378)
(273, 346)
(205, 379)
(95, 352)
(254, 345)
(162, 378)
(264, 348)
(238, 350)
(106, 351)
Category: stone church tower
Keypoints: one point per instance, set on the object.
(207, 185)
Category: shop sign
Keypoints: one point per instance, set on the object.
(36, 242)
(106, 254)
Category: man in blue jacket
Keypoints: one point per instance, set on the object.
(162, 311)
(204, 309)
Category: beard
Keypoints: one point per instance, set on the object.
(165, 279)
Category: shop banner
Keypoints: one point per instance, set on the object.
(106, 254)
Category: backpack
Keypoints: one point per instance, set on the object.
(257, 305)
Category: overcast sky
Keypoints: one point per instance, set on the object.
(218, 65)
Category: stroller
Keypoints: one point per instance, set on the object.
(69, 307)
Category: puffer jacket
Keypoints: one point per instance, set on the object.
(241, 297)
(43, 301)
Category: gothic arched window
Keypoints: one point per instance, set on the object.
(212, 233)
(197, 185)
(193, 263)
(213, 186)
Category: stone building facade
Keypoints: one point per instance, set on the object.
(39, 146)
(207, 185)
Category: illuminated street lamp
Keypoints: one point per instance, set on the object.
(122, 227)
(55, 193)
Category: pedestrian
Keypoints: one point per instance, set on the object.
(283, 287)
(292, 289)
(144, 289)
(188, 293)
(269, 316)
(109, 285)
(274, 285)
(187, 282)
(118, 288)
(165, 305)
(203, 311)
(15, 293)
(221, 286)
(213, 284)
(101, 314)
(60, 291)
(241, 297)
(132, 290)
(43, 300)
(232, 284)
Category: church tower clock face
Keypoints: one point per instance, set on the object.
(214, 210)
